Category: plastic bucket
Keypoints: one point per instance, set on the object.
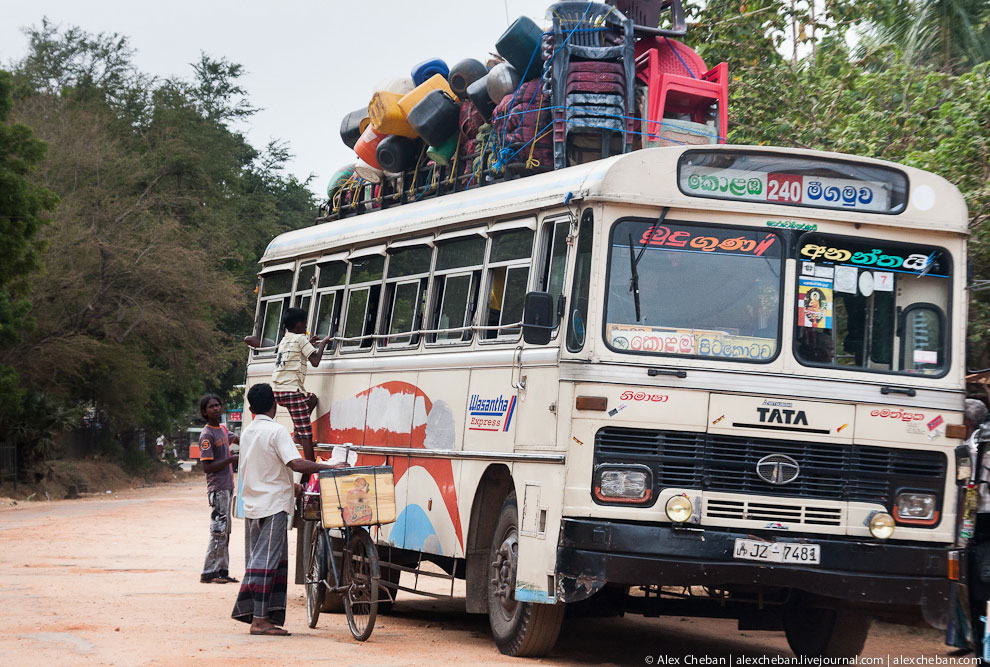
(353, 125)
(442, 154)
(520, 45)
(435, 82)
(463, 74)
(386, 116)
(397, 153)
(367, 145)
(428, 68)
(435, 117)
(501, 81)
(371, 174)
(478, 94)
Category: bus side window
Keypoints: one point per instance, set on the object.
(362, 301)
(276, 288)
(455, 288)
(577, 324)
(508, 278)
(554, 260)
(329, 288)
(405, 290)
(302, 297)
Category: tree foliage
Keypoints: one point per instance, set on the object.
(149, 259)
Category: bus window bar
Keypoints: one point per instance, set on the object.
(419, 332)
(404, 334)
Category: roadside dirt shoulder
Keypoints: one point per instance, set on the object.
(115, 580)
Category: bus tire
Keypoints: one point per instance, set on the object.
(519, 628)
(826, 633)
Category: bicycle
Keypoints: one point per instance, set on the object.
(355, 575)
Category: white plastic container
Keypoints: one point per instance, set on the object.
(502, 80)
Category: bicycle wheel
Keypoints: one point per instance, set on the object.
(316, 574)
(360, 581)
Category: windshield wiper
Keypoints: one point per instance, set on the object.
(634, 261)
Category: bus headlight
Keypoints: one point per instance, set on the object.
(631, 484)
(679, 509)
(913, 506)
(881, 525)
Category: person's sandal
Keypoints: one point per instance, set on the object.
(272, 631)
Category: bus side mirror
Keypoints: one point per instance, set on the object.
(538, 318)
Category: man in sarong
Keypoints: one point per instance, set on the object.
(266, 491)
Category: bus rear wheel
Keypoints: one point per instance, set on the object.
(519, 628)
(826, 633)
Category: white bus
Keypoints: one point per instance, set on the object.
(714, 380)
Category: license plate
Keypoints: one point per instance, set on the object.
(778, 552)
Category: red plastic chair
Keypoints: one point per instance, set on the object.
(679, 83)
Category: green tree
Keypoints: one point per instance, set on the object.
(24, 206)
(151, 257)
(951, 35)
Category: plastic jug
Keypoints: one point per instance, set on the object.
(502, 80)
(367, 145)
(371, 174)
(478, 94)
(399, 85)
(435, 82)
(397, 153)
(463, 74)
(435, 117)
(353, 125)
(386, 116)
(520, 45)
(443, 153)
(428, 68)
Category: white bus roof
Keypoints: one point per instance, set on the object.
(645, 177)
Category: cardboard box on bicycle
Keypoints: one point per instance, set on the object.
(361, 496)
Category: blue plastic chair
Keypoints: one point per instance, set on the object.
(590, 31)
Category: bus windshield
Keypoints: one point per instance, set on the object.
(711, 292)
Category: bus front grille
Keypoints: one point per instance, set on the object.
(711, 462)
(796, 513)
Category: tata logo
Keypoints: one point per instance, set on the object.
(777, 469)
(782, 416)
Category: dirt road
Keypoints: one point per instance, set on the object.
(115, 580)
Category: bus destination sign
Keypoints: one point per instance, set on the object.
(784, 188)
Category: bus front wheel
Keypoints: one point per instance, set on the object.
(825, 633)
(519, 628)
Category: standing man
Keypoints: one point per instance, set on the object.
(266, 489)
(214, 445)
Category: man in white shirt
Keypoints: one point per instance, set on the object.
(266, 491)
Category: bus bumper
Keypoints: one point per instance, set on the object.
(591, 553)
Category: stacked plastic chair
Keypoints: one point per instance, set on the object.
(645, 15)
(592, 76)
(680, 85)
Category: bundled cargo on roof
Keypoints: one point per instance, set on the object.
(602, 79)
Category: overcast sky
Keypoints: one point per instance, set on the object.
(308, 62)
